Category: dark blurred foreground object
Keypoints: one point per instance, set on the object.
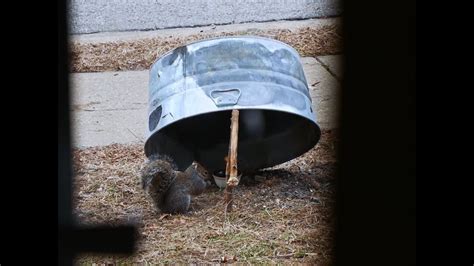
(73, 240)
(376, 192)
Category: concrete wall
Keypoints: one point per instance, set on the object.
(89, 16)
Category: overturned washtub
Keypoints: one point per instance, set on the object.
(194, 88)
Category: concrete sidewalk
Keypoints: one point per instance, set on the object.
(111, 107)
(105, 15)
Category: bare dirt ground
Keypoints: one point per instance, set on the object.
(285, 215)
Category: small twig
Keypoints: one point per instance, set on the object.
(163, 216)
(225, 217)
(284, 255)
(141, 141)
(268, 213)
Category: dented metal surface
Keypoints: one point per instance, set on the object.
(192, 85)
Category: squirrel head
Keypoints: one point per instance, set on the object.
(203, 172)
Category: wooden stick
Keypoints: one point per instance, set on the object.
(231, 162)
(227, 165)
(234, 139)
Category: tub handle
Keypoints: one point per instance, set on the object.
(225, 97)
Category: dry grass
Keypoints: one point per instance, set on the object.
(140, 54)
(287, 218)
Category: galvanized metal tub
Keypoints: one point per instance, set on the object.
(193, 89)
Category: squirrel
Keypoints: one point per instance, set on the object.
(169, 188)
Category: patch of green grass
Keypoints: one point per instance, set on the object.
(98, 260)
(257, 250)
(300, 254)
(230, 239)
